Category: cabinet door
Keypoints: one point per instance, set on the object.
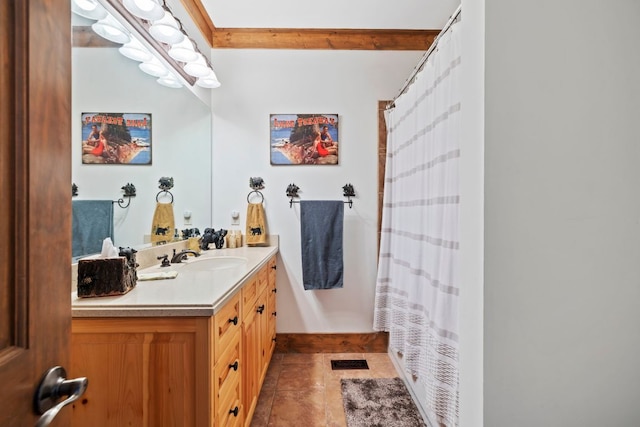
(251, 364)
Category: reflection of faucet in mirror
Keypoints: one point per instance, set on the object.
(182, 255)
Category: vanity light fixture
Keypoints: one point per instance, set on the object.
(90, 9)
(152, 35)
(145, 9)
(109, 28)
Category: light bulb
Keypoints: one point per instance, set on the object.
(197, 68)
(154, 68)
(136, 51)
(183, 51)
(170, 80)
(166, 29)
(145, 9)
(210, 81)
(88, 9)
(111, 30)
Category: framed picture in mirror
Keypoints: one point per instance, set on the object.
(116, 138)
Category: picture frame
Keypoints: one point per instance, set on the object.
(116, 138)
(304, 139)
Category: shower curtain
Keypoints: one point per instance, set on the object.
(417, 285)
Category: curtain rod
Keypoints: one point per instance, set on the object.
(424, 58)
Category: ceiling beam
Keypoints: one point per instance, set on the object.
(86, 37)
(330, 39)
(199, 14)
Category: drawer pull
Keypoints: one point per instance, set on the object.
(274, 290)
(274, 267)
(260, 309)
(275, 313)
(234, 411)
(274, 339)
(234, 366)
(234, 320)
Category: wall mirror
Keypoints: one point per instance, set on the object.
(104, 81)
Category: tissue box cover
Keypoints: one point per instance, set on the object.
(100, 277)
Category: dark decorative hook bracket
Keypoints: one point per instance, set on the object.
(348, 191)
(256, 184)
(129, 192)
(74, 190)
(166, 184)
(292, 191)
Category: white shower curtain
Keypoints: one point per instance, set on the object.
(417, 286)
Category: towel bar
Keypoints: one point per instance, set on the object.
(347, 191)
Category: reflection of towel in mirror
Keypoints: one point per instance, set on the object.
(163, 224)
(321, 237)
(256, 225)
(91, 223)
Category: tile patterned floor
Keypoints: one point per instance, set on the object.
(303, 390)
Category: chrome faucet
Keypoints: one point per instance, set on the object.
(182, 255)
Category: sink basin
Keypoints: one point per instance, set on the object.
(214, 263)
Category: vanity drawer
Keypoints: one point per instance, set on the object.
(229, 411)
(249, 296)
(227, 374)
(227, 326)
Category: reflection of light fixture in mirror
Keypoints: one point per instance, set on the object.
(88, 8)
(170, 80)
(111, 29)
(197, 68)
(154, 68)
(210, 81)
(183, 51)
(136, 51)
(145, 9)
(166, 29)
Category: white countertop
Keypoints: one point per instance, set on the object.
(192, 293)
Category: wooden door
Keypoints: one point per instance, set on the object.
(35, 205)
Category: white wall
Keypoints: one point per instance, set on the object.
(105, 81)
(256, 83)
(472, 214)
(562, 217)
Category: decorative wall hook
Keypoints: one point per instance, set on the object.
(166, 184)
(256, 183)
(129, 192)
(74, 190)
(292, 191)
(348, 191)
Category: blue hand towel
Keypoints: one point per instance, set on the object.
(92, 222)
(321, 234)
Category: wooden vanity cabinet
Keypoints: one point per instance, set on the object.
(177, 371)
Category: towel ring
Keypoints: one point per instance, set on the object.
(255, 191)
(166, 192)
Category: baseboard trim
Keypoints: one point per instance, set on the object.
(376, 342)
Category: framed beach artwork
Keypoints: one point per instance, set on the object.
(304, 139)
(116, 138)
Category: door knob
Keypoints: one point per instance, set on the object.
(52, 387)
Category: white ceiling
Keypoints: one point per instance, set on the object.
(356, 14)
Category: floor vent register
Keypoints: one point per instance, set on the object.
(349, 364)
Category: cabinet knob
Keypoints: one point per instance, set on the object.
(234, 366)
(274, 339)
(274, 267)
(260, 309)
(275, 313)
(234, 411)
(274, 290)
(234, 320)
